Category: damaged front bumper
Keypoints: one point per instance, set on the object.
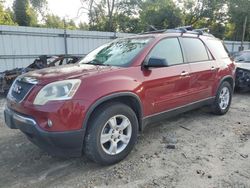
(242, 81)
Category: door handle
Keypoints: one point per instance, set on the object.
(184, 73)
(213, 68)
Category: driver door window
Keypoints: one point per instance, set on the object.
(168, 49)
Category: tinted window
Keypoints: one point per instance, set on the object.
(195, 50)
(168, 49)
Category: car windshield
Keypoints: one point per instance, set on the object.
(243, 57)
(117, 53)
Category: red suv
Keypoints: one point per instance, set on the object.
(99, 105)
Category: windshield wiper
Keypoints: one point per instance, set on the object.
(96, 62)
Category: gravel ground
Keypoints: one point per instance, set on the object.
(195, 149)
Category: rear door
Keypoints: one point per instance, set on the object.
(167, 87)
(203, 68)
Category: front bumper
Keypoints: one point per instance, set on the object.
(63, 144)
(242, 81)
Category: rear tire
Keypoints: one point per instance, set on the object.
(223, 99)
(111, 134)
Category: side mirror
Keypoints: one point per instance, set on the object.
(155, 62)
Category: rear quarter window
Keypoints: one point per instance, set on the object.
(217, 48)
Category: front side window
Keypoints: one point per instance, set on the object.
(195, 50)
(168, 49)
(117, 53)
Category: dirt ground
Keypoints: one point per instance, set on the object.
(195, 149)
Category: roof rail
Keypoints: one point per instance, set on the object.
(155, 31)
(182, 29)
(201, 31)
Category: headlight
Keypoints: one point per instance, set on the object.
(61, 90)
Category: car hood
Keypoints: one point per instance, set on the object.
(51, 74)
(243, 65)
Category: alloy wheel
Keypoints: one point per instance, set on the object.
(224, 98)
(116, 134)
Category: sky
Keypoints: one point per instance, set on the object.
(68, 8)
(62, 8)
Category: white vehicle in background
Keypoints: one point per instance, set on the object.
(242, 61)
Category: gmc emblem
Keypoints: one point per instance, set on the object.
(17, 89)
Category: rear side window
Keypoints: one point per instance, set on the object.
(168, 49)
(195, 50)
(217, 48)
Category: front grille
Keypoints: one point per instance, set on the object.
(20, 90)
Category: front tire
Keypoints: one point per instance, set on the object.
(111, 134)
(223, 99)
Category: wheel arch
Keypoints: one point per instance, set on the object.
(128, 98)
(228, 79)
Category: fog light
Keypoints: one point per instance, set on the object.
(50, 124)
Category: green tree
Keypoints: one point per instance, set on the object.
(98, 16)
(210, 14)
(126, 19)
(194, 11)
(132, 15)
(83, 26)
(162, 14)
(71, 25)
(126, 24)
(53, 21)
(6, 17)
(24, 14)
(103, 13)
(40, 6)
(238, 11)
